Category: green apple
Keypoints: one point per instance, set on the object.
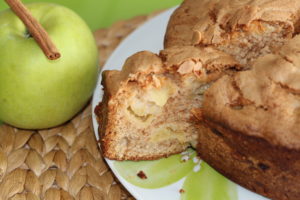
(37, 93)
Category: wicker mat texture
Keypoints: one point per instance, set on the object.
(62, 163)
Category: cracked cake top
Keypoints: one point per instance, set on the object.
(263, 102)
(214, 22)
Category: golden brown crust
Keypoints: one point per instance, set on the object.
(210, 58)
(213, 22)
(263, 102)
(143, 62)
(207, 64)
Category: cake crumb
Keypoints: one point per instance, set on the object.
(142, 175)
(181, 191)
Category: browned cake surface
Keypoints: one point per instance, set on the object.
(254, 118)
(263, 102)
(243, 28)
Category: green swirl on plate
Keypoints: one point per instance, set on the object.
(207, 184)
(159, 172)
(201, 182)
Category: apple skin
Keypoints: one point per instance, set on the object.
(37, 93)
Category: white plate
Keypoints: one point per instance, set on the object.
(148, 37)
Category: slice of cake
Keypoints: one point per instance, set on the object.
(146, 112)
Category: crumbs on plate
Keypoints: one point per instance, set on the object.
(142, 175)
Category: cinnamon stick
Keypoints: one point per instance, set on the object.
(35, 29)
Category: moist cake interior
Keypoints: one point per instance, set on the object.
(155, 119)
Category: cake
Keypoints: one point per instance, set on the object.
(252, 123)
(242, 28)
(226, 84)
(144, 113)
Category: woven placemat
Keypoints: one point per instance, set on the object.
(62, 163)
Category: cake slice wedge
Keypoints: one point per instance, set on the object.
(147, 109)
